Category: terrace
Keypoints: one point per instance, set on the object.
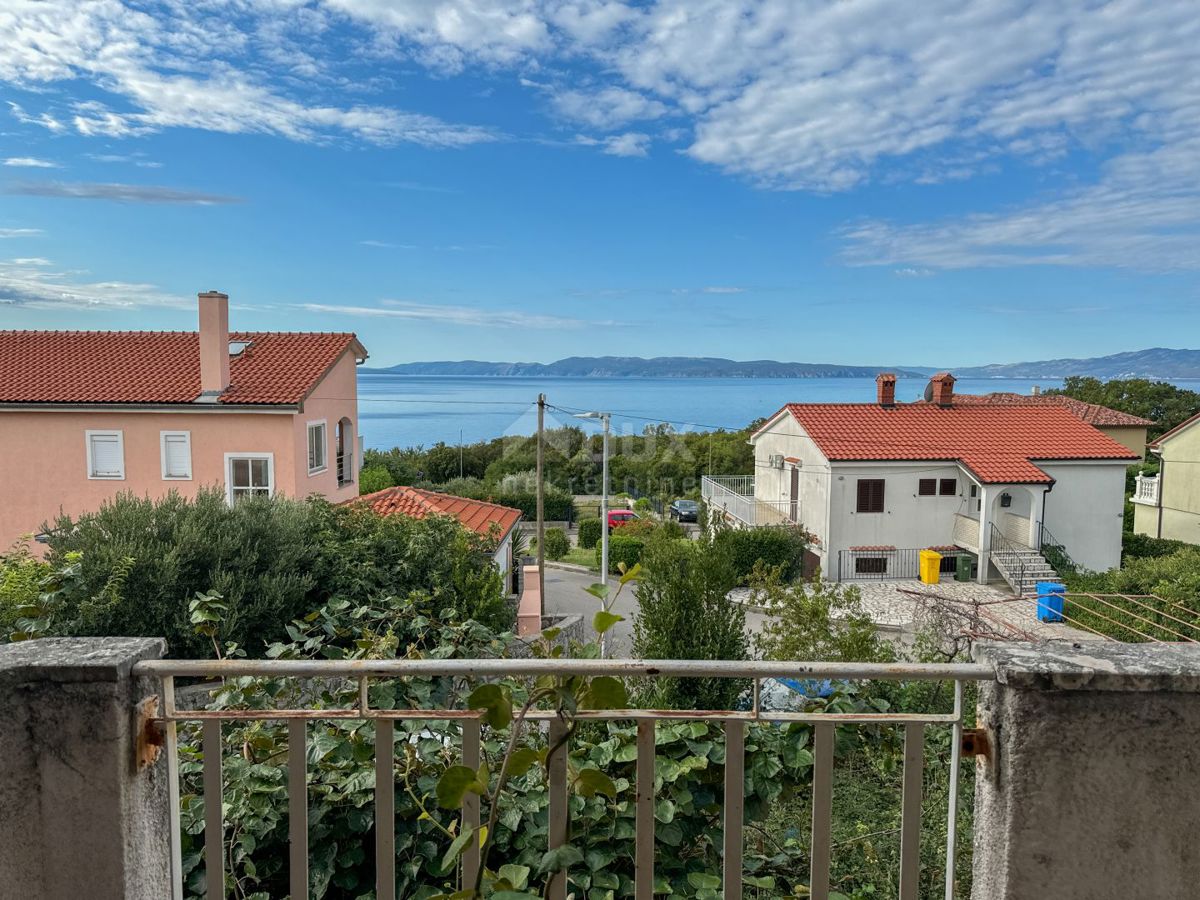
(84, 721)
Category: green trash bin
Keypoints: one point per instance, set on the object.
(962, 567)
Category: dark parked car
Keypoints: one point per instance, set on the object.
(685, 510)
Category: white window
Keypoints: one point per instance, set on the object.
(248, 474)
(318, 447)
(106, 454)
(176, 455)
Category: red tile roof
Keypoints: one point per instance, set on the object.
(1092, 413)
(160, 367)
(998, 443)
(478, 515)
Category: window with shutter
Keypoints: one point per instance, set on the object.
(176, 455)
(317, 447)
(927, 487)
(106, 454)
(870, 495)
(948, 487)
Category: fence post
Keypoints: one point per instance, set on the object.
(1089, 787)
(79, 818)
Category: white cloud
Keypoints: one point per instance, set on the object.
(123, 193)
(387, 245)
(454, 315)
(606, 109)
(718, 289)
(147, 61)
(30, 162)
(629, 144)
(19, 232)
(31, 284)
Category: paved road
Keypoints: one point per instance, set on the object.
(566, 594)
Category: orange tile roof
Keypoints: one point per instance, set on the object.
(998, 443)
(478, 515)
(1092, 413)
(70, 367)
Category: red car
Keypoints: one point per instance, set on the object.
(619, 517)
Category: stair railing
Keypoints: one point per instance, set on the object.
(1012, 556)
(1054, 551)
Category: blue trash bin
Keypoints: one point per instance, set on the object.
(1050, 601)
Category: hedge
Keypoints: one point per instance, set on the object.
(774, 546)
(622, 548)
(557, 544)
(589, 532)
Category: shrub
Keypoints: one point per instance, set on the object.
(643, 505)
(21, 578)
(1142, 546)
(683, 613)
(270, 558)
(557, 544)
(671, 529)
(776, 546)
(622, 548)
(589, 532)
(374, 478)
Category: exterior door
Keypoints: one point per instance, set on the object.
(794, 500)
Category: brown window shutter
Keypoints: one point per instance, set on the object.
(870, 495)
(948, 487)
(927, 487)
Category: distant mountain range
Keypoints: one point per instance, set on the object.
(636, 367)
(1154, 363)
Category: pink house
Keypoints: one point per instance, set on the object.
(85, 415)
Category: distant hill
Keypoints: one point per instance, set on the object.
(1158, 362)
(637, 367)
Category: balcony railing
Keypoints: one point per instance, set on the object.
(469, 670)
(733, 495)
(1145, 490)
(345, 469)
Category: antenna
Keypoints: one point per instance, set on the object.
(929, 392)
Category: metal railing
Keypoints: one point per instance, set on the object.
(735, 722)
(733, 495)
(1009, 557)
(890, 564)
(345, 467)
(1054, 551)
(1145, 490)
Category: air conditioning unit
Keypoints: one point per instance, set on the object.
(775, 460)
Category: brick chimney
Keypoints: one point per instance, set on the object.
(942, 385)
(885, 389)
(214, 345)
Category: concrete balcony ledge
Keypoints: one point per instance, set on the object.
(1168, 668)
(75, 660)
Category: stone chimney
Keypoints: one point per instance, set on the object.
(885, 389)
(942, 389)
(214, 345)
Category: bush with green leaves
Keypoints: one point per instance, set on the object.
(271, 559)
(780, 546)
(590, 531)
(624, 550)
(375, 478)
(557, 543)
(684, 613)
(22, 580)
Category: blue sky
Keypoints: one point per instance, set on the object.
(858, 181)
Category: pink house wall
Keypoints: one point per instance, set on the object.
(45, 453)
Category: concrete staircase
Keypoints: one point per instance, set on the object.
(1023, 567)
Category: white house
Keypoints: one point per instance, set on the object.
(878, 482)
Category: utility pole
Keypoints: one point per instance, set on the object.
(541, 494)
(604, 507)
(460, 465)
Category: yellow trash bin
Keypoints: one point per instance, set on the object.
(931, 566)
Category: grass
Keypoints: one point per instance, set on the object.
(576, 556)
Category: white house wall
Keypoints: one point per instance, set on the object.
(908, 521)
(1085, 509)
(786, 437)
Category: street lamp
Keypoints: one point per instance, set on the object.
(605, 418)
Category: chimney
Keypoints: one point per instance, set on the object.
(942, 389)
(214, 345)
(885, 389)
(1037, 390)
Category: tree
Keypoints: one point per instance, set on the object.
(684, 613)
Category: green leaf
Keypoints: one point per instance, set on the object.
(702, 880)
(454, 785)
(560, 858)
(606, 692)
(521, 761)
(760, 881)
(632, 574)
(600, 591)
(495, 702)
(517, 876)
(604, 620)
(590, 782)
(457, 846)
